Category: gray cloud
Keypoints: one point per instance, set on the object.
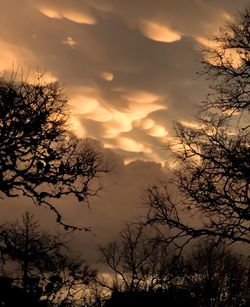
(119, 203)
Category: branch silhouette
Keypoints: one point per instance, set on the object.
(211, 181)
(39, 157)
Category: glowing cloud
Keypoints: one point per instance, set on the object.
(77, 17)
(145, 123)
(206, 42)
(34, 77)
(154, 156)
(231, 55)
(157, 131)
(7, 57)
(99, 114)
(76, 127)
(88, 104)
(141, 97)
(192, 125)
(12, 56)
(121, 122)
(138, 111)
(83, 104)
(50, 77)
(82, 18)
(50, 13)
(108, 76)
(129, 145)
(158, 32)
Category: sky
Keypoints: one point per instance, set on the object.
(129, 70)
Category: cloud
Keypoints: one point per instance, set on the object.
(129, 69)
(128, 144)
(137, 111)
(145, 123)
(74, 16)
(158, 32)
(76, 127)
(114, 121)
(158, 131)
(81, 18)
(100, 114)
(106, 75)
(84, 104)
(13, 57)
(50, 13)
(119, 203)
(141, 97)
(231, 56)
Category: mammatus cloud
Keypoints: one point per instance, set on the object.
(141, 97)
(158, 32)
(106, 75)
(116, 121)
(128, 144)
(74, 16)
(50, 13)
(158, 131)
(128, 66)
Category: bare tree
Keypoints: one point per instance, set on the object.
(39, 268)
(138, 262)
(217, 276)
(145, 271)
(208, 193)
(39, 157)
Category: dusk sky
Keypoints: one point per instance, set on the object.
(128, 68)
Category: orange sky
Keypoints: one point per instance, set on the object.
(128, 66)
(129, 70)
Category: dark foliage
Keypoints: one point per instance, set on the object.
(37, 269)
(39, 158)
(210, 275)
(217, 276)
(176, 298)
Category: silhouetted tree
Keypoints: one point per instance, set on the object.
(39, 157)
(211, 275)
(137, 262)
(37, 269)
(151, 298)
(144, 271)
(216, 276)
(208, 193)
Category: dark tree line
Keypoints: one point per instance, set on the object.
(37, 269)
(148, 273)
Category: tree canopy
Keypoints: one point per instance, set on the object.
(148, 272)
(211, 182)
(39, 157)
(37, 268)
